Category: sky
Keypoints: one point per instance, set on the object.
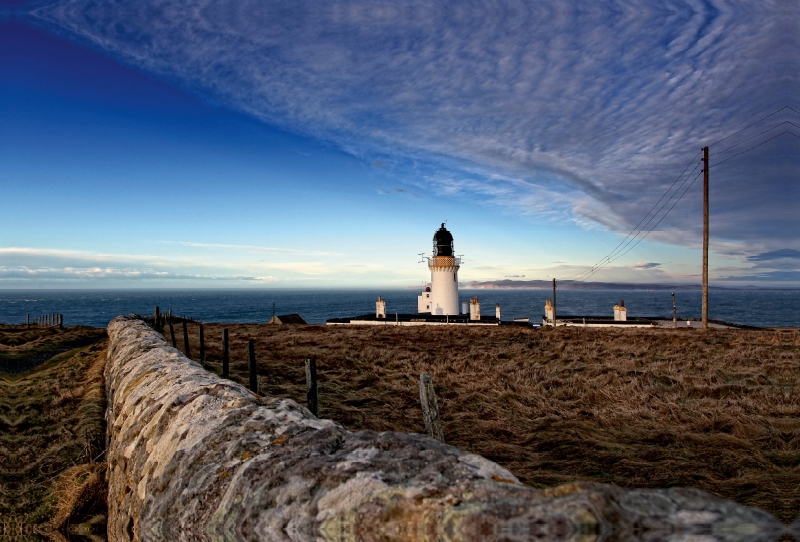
(300, 144)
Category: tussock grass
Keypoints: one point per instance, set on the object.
(52, 433)
(717, 410)
(23, 348)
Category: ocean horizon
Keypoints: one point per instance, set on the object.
(93, 307)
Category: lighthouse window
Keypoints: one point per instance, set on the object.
(454, 277)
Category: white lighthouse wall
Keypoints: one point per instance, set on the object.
(444, 291)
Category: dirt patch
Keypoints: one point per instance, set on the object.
(718, 410)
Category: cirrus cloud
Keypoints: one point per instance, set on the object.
(574, 110)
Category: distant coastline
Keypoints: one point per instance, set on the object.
(565, 285)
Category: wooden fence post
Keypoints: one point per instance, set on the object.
(60, 321)
(312, 399)
(186, 350)
(157, 322)
(202, 345)
(172, 333)
(430, 410)
(225, 353)
(251, 358)
(674, 312)
(27, 321)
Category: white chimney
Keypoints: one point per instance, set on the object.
(465, 307)
(616, 313)
(380, 308)
(548, 310)
(623, 312)
(474, 309)
(497, 311)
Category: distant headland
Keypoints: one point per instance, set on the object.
(507, 284)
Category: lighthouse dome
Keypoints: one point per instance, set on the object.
(443, 242)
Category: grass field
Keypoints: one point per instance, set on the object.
(649, 408)
(52, 436)
(718, 410)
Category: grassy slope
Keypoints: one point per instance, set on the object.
(51, 427)
(649, 408)
(23, 349)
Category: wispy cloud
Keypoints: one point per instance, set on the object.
(24, 265)
(20, 265)
(398, 192)
(572, 110)
(786, 253)
(257, 249)
(97, 275)
(646, 265)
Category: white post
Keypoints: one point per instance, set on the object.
(497, 311)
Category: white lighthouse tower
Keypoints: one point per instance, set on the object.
(443, 296)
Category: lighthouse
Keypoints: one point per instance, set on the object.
(442, 295)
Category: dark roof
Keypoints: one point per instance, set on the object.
(290, 319)
(442, 242)
(417, 317)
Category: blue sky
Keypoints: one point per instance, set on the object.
(292, 144)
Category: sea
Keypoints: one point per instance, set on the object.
(760, 308)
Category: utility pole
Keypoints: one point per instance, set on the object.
(554, 302)
(674, 312)
(705, 237)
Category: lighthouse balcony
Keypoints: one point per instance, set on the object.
(444, 262)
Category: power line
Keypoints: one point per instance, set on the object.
(659, 200)
(642, 220)
(663, 217)
(756, 122)
(690, 186)
(645, 235)
(611, 256)
(754, 146)
(755, 136)
(620, 250)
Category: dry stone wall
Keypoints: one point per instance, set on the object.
(196, 457)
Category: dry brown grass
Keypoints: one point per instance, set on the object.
(23, 348)
(51, 433)
(718, 410)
